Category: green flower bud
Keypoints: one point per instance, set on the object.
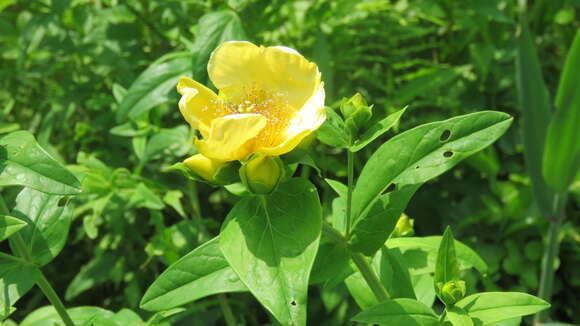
(201, 168)
(262, 174)
(404, 227)
(451, 292)
(356, 113)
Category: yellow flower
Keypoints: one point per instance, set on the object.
(270, 99)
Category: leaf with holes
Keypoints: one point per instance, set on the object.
(48, 223)
(562, 152)
(23, 162)
(491, 307)
(271, 243)
(202, 272)
(400, 312)
(418, 155)
(9, 225)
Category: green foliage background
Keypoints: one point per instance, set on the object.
(80, 75)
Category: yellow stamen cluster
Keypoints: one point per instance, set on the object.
(271, 105)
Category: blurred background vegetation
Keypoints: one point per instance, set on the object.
(94, 80)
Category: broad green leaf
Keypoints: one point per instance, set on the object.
(331, 266)
(423, 153)
(15, 280)
(47, 316)
(400, 312)
(271, 243)
(377, 130)
(9, 225)
(97, 271)
(423, 288)
(23, 162)
(562, 152)
(458, 316)
(333, 131)
(213, 29)
(491, 307)
(466, 257)
(360, 291)
(48, 222)
(446, 267)
(394, 274)
(201, 273)
(534, 101)
(340, 188)
(156, 85)
(371, 232)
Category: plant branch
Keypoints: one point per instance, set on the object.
(350, 174)
(227, 310)
(370, 276)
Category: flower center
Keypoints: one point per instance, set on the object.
(273, 106)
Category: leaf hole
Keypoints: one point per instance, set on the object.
(448, 154)
(417, 167)
(62, 202)
(391, 188)
(445, 135)
(293, 303)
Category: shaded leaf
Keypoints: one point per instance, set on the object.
(400, 312)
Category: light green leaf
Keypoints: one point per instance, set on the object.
(9, 225)
(394, 274)
(154, 86)
(15, 280)
(47, 316)
(466, 257)
(360, 291)
(340, 188)
(562, 152)
(437, 147)
(333, 131)
(491, 307)
(48, 221)
(213, 29)
(377, 130)
(23, 162)
(534, 101)
(271, 243)
(458, 316)
(446, 268)
(201, 273)
(400, 312)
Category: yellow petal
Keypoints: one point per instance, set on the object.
(286, 146)
(236, 66)
(231, 137)
(197, 104)
(203, 166)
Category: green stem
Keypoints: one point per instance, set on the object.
(550, 254)
(370, 276)
(227, 310)
(350, 174)
(42, 282)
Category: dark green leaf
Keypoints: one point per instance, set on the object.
(201, 273)
(15, 280)
(333, 131)
(400, 312)
(97, 271)
(491, 307)
(271, 243)
(534, 101)
(23, 162)
(394, 274)
(562, 152)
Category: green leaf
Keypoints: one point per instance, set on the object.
(360, 291)
(47, 316)
(48, 223)
(466, 257)
(562, 152)
(428, 82)
(534, 101)
(271, 243)
(333, 131)
(156, 85)
(23, 162)
(9, 225)
(370, 233)
(446, 268)
(436, 148)
(201, 273)
(340, 188)
(458, 316)
(400, 312)
(394, 274)
(491, 307)
(377, 130)
(213, 29)
(97, 271)
(15, 280)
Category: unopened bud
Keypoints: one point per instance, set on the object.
(452, 291)
(404, 227)
(356, 112)
(262, 174)
(202, 168)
